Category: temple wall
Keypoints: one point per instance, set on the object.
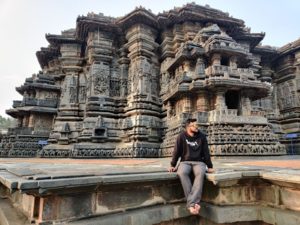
(156, 198)
(129, 83)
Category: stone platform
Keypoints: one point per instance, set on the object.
(243, 190)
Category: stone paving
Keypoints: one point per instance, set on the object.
(27, 166)
(47, 177)
(41, 168)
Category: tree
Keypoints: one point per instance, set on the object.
(5, 123)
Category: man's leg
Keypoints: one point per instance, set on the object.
(194, 197)
(184, 171)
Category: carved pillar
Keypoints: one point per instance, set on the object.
(143, 90)
(31, 121)
(141, 45)
(170, 110)
(220, 100)
(100, 57)
(201, 103)
(71, 66)
(187, 68)
(233, 62)
(124, 65)
(68, 109)
(246, 106)
(25, 121)
(200, 68)
(186, 104)
(216, 59)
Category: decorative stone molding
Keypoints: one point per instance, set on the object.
(144, 74)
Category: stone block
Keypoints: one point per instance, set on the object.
(229, 214)
(169, 191)
(191, 220)
(123, 198)
(279, 217)
(267, 194)
(290, 198)
(27, 205)
(66, 207)
(25, 185)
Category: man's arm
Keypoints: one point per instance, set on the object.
(176, 153)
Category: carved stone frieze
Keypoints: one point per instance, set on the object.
(123, 87)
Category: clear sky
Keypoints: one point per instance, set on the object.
(24, 24)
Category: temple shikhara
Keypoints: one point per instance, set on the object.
(123, 87)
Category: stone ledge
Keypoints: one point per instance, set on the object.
(217, 214)
(227, 178)
(145, 216)
(123, 193)
(231, 214)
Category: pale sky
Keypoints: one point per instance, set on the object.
(24, 23)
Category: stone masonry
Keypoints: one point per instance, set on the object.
(122, 87)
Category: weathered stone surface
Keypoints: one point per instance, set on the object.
(151, 197)
(123, 87)
(290, 198)
(10, 216)
(66, 207)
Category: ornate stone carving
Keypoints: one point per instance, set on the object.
(123, 87)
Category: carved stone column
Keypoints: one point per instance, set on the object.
(186, 105)
(141, 45)
(220, 100)
(200, 68)
(187, 68)
(216, 59)
(102, 66)
(201, 103)
(68, 109)
(143, 90)
(246, 106)
(124, 65)
(233, 62)
(31, 121)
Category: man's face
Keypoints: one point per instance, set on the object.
(193, 127)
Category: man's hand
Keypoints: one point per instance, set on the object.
(172, 169)
(210, 170)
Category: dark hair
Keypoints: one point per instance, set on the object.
(190, 120)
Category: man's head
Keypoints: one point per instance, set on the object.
(191, 125)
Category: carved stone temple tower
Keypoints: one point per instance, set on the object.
(123, 87)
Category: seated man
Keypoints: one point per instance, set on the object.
(191, 146)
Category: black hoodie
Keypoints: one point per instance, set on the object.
(191, 149)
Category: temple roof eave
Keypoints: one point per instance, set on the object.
(256, 88)
(25, 110)
(289, 48)
(32, 86)
(253, 38)
(139, 15)
(267, 53)
(185, 54)
(56, 40)
(197, 13)
(46, 54)
(85, 24)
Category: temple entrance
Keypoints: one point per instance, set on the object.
(232, 99)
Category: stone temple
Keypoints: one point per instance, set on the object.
(122, 87)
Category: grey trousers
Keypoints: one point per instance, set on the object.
(192, 190)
